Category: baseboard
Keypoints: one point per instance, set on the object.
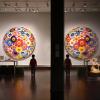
(38, 68)
(42, 67)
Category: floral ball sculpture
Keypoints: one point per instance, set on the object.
(81, 43)
(19, 43)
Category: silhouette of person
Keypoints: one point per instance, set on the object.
(33, 65)
(68, 65)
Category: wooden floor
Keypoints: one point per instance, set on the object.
(80, 88)
(25, 88)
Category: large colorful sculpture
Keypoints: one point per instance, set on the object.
(19, 43)
(81, 43)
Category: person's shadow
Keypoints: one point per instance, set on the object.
(33, 84)
(67, 87)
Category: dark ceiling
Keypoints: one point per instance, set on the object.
(44, 6)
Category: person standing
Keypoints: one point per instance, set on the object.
(33, 65)
(68, 65)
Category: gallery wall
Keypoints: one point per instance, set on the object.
(91, 20)
(39, 24)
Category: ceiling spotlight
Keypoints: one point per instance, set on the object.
(7, 4)
(66, 10)
(16, 4)
(17, 9)
(35, 10)
(73, 4)
(47, 4)
(85, 4)
(83, 10)
(27, 4)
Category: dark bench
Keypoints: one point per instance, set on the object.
(11, 71)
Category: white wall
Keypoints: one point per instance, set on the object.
(91, 20)
(39, 24)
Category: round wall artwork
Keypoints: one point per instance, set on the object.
(19, 43)
(81, 43)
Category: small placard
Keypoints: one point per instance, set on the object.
(1, 58)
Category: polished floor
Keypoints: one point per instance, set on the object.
(26, 88)
(80, 88)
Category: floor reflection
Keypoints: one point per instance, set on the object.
(26, 88)
(67, 87)
(38, 88)
(33, 84)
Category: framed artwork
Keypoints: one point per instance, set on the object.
(81, 43)
(19, 43)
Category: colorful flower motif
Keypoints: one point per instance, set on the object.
(15, 53)
(24, 37)
(17, 41)
(76, 38)
(24, 46)
(9, 35)
(19, 56)
(31, 38)
(76, 46)
(9, 43)
(28, 43)
(13, 46)
(15, 33)
(87, 38)
(9, 50)
(24, 53)
(68, 38)
(72, 35)
(81, 43)
(72, 42)
(13, 38)
(76, 53)
(81, 49)
(12, 30)
(85, 53)
(88, 29)
(19, 49)
(77, 33)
